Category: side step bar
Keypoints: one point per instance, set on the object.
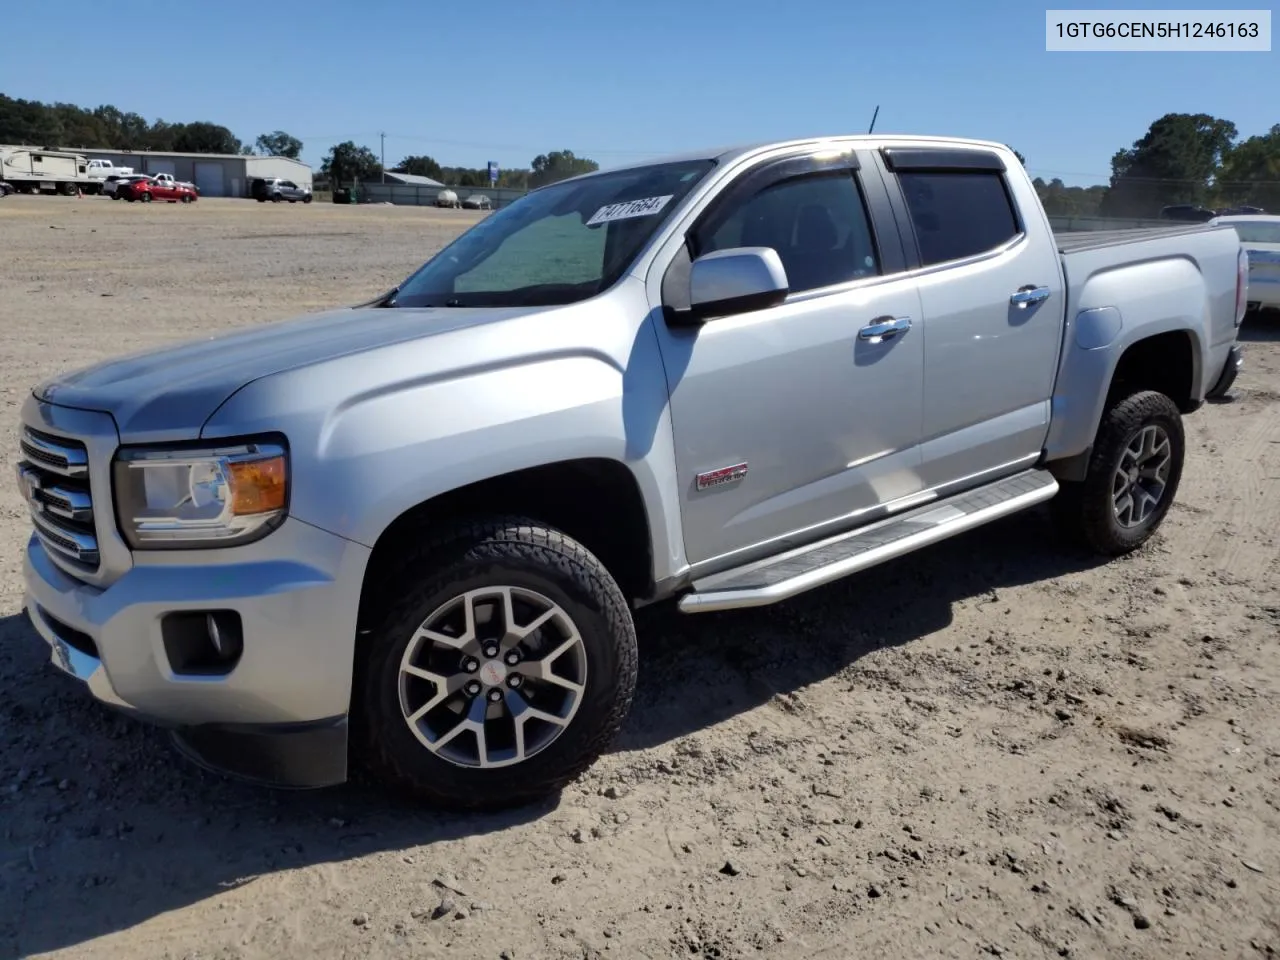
(788, 574)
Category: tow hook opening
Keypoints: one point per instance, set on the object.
(203, 642)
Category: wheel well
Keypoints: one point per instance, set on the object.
(1164, 363)
(595, 501)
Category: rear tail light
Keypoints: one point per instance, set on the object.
(1242, 285)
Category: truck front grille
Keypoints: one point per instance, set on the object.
(53, 476)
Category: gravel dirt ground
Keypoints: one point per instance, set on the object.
(995, 747)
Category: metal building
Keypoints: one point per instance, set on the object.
(214, 174)
(411, 179)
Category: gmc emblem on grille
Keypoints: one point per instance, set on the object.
(723, 475)
(29, 484)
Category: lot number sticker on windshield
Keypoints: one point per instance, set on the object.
(631, 208)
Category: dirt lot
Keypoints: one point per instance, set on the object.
(997, 747)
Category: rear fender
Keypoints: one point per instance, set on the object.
(1115, 310)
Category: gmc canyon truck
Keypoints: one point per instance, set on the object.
(412, 533)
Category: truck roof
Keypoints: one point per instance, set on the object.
(731, 154)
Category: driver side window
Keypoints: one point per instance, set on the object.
(818, 224)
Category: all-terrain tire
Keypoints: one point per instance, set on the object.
(1084, 511)
(503, 551)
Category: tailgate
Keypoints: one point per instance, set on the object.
(1264, 265)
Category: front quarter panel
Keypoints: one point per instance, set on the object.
(375, 434)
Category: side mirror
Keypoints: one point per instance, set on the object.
(735, 281)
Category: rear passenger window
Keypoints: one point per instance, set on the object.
(958, 215)
(817, 224)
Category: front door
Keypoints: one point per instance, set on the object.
(804, 416)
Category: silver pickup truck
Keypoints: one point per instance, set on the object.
(412, 533)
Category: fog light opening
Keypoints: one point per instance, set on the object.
(203, 643)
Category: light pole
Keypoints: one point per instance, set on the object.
(384, 156)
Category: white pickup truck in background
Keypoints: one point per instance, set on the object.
(101, 169)
(168, 179)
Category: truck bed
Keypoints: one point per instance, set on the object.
(1077, 241)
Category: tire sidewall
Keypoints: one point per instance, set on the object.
(1124, 427)
(520, 567)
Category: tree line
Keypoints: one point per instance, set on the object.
(1182, 158)
(1190, 158)
(69, 127)
(348, 162)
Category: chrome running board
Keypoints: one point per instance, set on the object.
(796, 571)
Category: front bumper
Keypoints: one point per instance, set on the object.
(278, 715)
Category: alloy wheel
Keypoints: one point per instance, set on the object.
(492, 677)
(1141, 478)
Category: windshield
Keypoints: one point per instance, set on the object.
(1263, 232)
(557, 245)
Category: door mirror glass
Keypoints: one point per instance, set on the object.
(736, 280)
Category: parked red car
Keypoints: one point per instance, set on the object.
(153, 189)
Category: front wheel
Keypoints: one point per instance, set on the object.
(1132, 478)
(307, 198)
(502, 668)
(145, 198)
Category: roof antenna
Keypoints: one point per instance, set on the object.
(873, 119)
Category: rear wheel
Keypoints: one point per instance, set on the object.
(503, 668)
(1132, 478)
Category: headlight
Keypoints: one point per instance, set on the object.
(201, 497)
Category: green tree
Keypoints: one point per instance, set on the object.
(464, 176)
(1021, 159)
(1174, 162)
(1059, 200)
(558, 165)
(346, 162)
(420, 167)
(279, 144)
(1250, 173)
(204, 137)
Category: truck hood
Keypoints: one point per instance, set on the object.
(169, 393)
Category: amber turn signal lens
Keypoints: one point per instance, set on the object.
(258, 486)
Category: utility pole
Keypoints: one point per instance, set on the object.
(384, 156)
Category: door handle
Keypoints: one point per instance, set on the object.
(884, 328)
(1028, 295)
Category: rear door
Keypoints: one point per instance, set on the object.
(992, 299)
(796, 419)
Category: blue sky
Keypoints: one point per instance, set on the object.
(619, 82)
